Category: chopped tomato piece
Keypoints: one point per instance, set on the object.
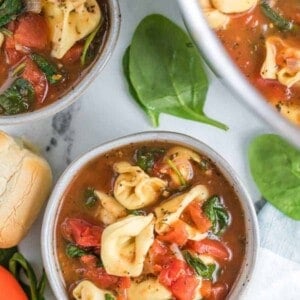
(37, 78)
(32, 32)
(12, 55)
(73, 54)
(206, 288)
(177, 234)
(89, 259)
(214, 248)
(185, 287)
(81, 232)
(219, 291)
(201, 221)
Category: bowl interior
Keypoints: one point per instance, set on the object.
(103, 56)
(49, 222)
(222, 65)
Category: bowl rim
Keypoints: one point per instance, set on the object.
(226, 70)
(48, 244)
(74, 93)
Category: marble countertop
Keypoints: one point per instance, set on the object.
(106, 111)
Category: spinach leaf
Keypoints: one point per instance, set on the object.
(137, 212)
(17, 98)
(74, 251)
(146, 157)
(165, 72)
(203, 270)
(109, 297)
(278, 20)
(34, 288)
(6, 254)
(90, 197)
(177, 172)
(275, 168)
(217, 213)
(9, 10)
(49, 69)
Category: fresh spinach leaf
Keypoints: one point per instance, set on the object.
(90, 198)
(137, 212)
(49, 69)
(109, 297)
(6, 254)
(275, 168)
(146, 157)
(165, 72)
(17, 98)
(203, 270)
(74, 251)
(9, 10)
(217, 213)
(21, 268)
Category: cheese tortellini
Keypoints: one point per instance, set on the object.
(171, 210)
(124, 245)
(135, 189)
(148, 289)
(70, 21)
(281, 62)
(86, 290)
(217, 12)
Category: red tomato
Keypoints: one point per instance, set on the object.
(206, 288)
(184, 287)
(81, 232)
(73, 54)
(12, 55)
(9, 287)
(37, 78)
(211, 247)
(199, 218)
(32, 32)
(177, 234)
(219, 291)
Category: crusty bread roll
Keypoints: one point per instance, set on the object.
(25, 182)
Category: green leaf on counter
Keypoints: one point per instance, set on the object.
(9, 10)
(275, 168)
(6, 254)
(165, 72)
(21, 268)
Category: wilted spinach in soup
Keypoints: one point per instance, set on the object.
(263, 38)
(47, 46)
(150, 221)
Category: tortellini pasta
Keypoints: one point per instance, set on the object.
(69, 21)
(291, 111)
(281, 62)
(125, 244)
(135, 189)
(171, 210)
(110, 210)
(148, 289)
(233, 6)
(86, 290)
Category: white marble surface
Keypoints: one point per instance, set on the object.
(106, 111)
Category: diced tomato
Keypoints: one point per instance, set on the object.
(89, 259)
(184, 287)
(201, 221)
(81, 232)
(214, 248)
(37, 78)
(32, 32)
(73, 54)
(177, 234)
(219, 291)
(206, 288)
(124, 283)
(12, 55)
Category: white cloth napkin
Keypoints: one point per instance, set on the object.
(277, 273)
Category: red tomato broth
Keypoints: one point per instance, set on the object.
(70, 66)
(244, 39)
(99, 174)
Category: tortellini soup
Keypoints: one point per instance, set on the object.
(263, 38)
(151, 221)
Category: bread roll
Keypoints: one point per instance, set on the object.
(25, 182)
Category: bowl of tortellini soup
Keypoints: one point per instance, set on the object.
(254, 47)
(152, 216)
(51, 50)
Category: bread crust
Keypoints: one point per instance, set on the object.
(25, 184)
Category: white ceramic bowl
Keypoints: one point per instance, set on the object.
(222, 65)
(79, 87)
(50, 218)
